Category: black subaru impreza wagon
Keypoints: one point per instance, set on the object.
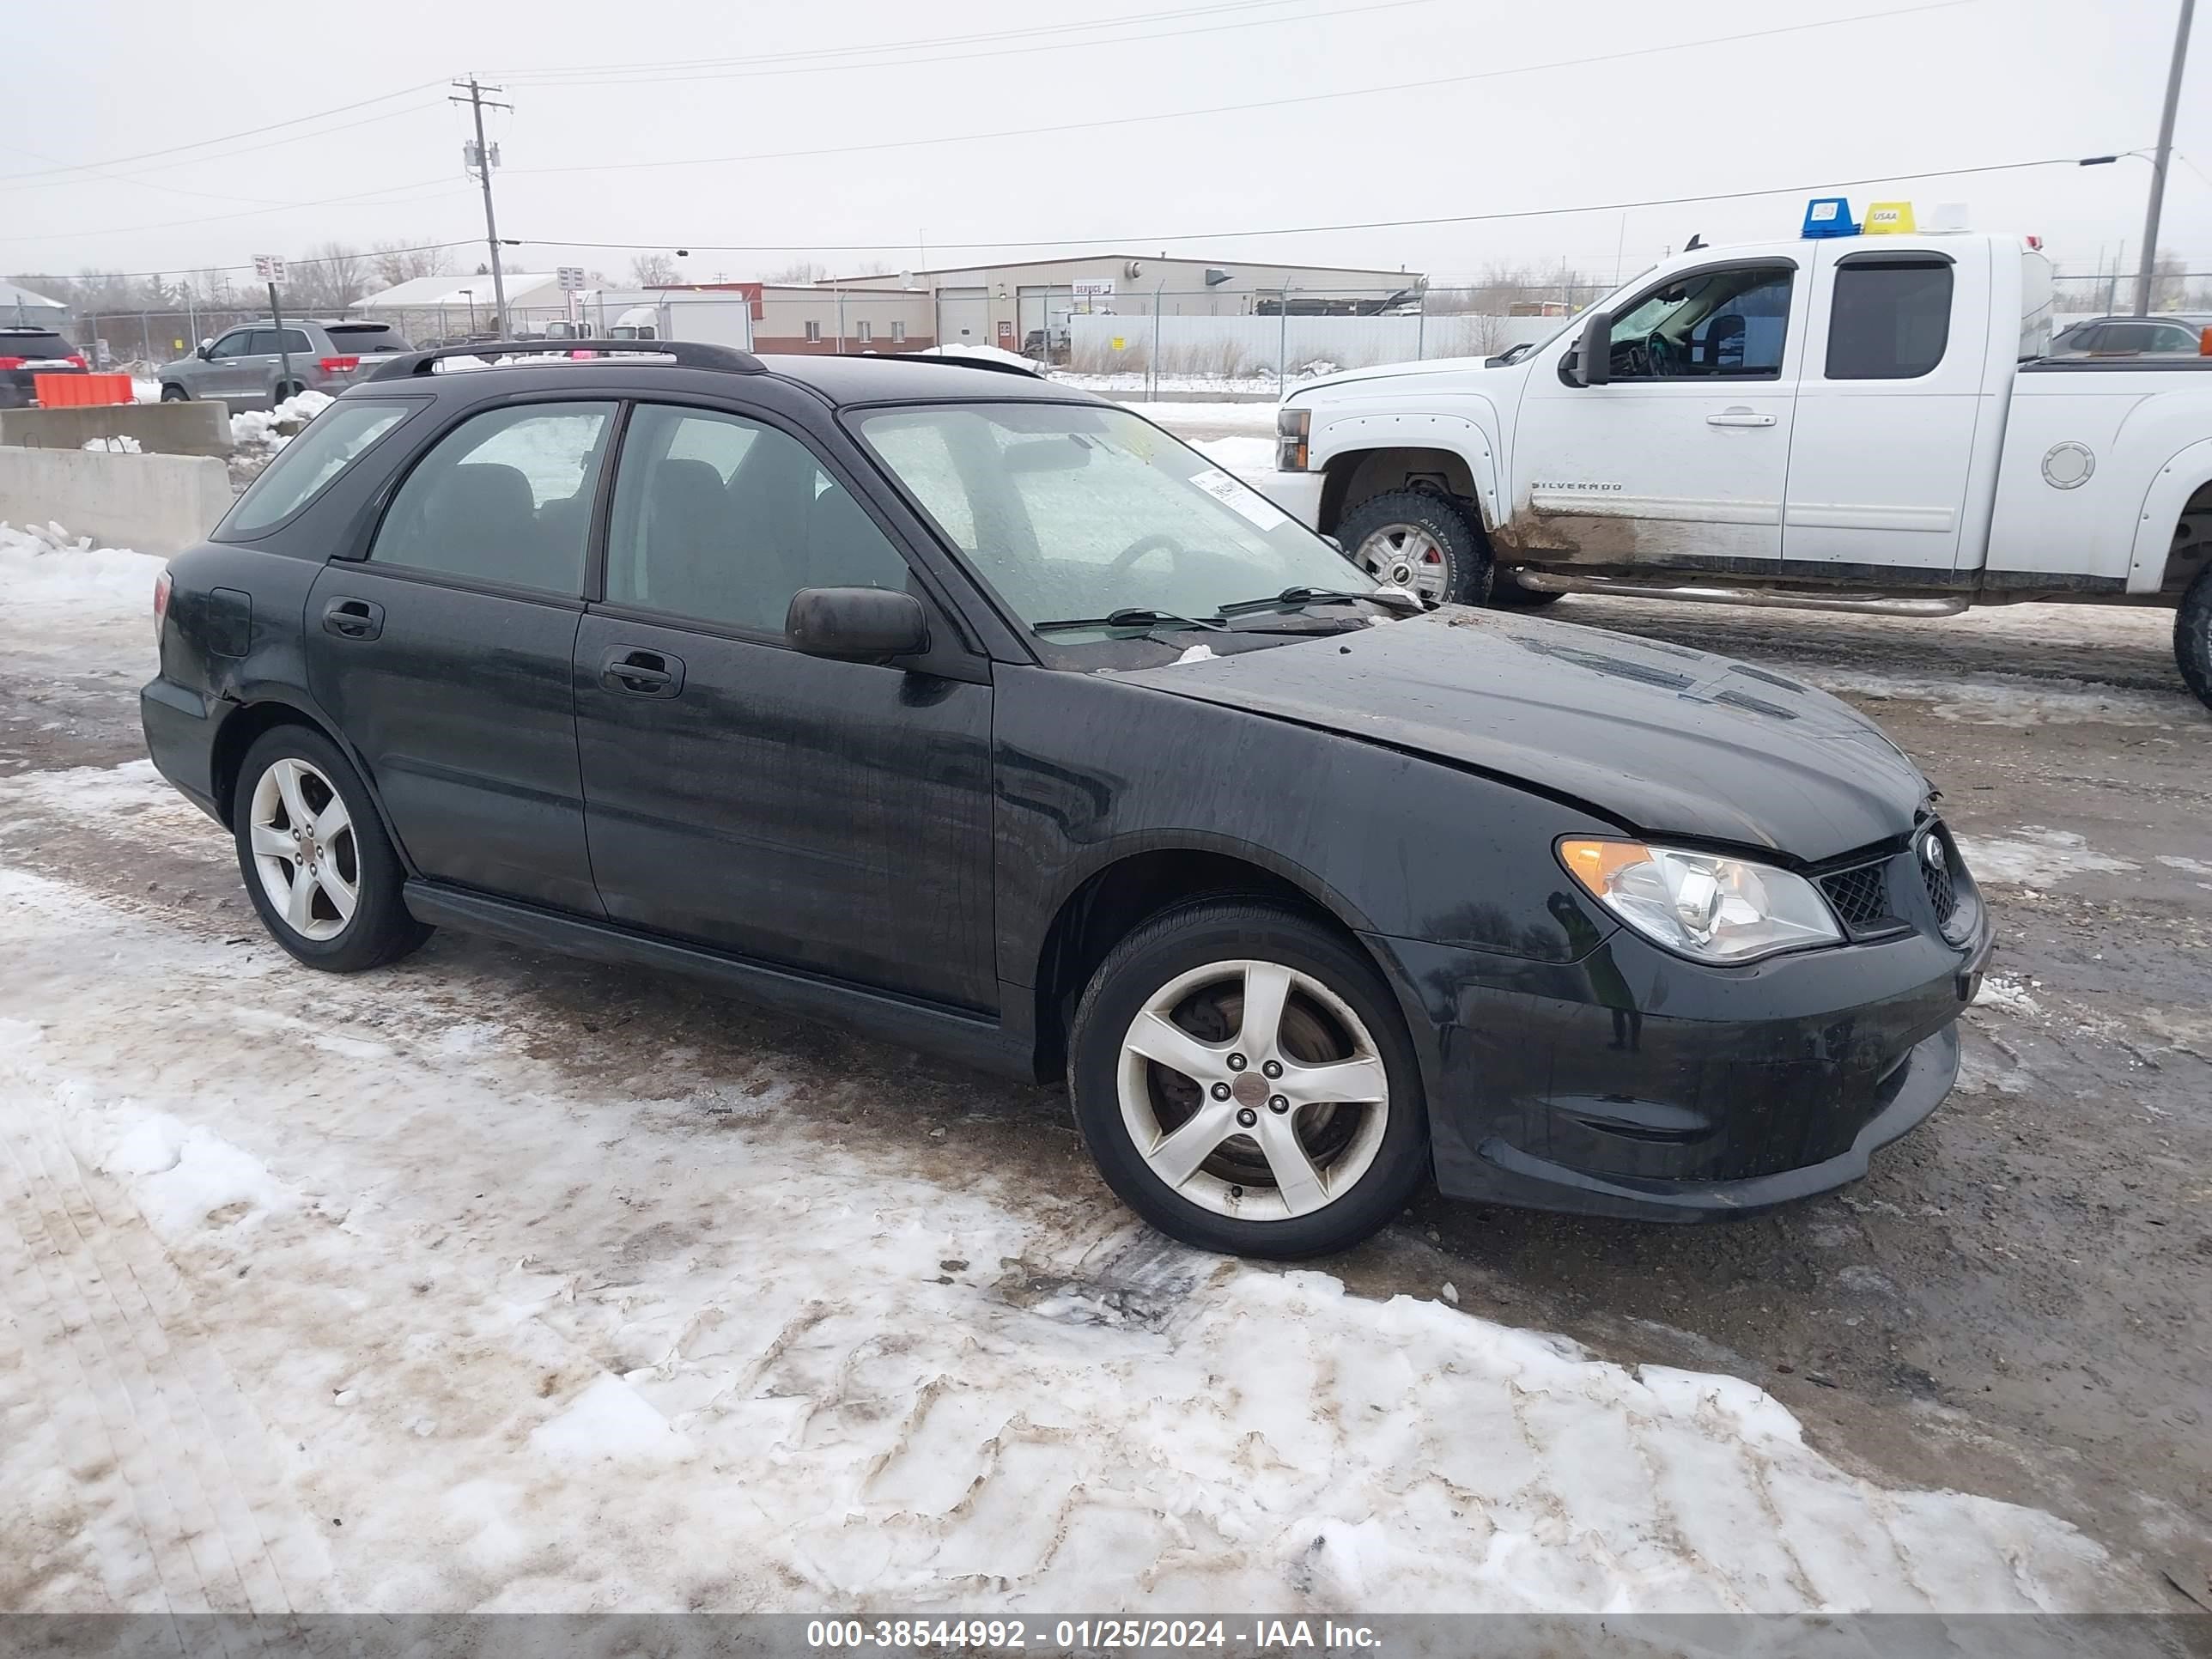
(987, 717)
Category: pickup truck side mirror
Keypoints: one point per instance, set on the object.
(1593, 356)
(856, 624)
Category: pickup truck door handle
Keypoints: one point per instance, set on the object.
(1739, 417)
(353, 619)
(635, 672)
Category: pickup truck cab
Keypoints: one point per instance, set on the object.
(1843, 423)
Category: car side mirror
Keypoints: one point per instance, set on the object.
(206, 346)
(1594, 356)
(856, 624)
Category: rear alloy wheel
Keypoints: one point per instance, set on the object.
(2192, 636)
(1244, 1081)
(1421, 541)
(317, 863)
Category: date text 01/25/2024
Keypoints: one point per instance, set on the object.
(1088, 1634)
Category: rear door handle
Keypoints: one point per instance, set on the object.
(635, 672)
(353, 619)
(1739, 417)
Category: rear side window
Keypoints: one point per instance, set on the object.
(366, 337)
(1890, 319)
(506, 497)
(333, 440)
(38, 346)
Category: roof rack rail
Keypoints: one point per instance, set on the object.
(684, 354)
(960, 359)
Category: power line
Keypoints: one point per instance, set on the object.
(250, 213)
(370, 255)
(1396, 88)
(135, 176)
(204, 144)
(1148, 239)
(696, 72)
(1087, 25)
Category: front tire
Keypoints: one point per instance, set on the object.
(2192, 636)
(1421, 541)
(173, 394)
(320, 871)
(1243, 1079)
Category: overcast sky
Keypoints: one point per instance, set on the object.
(608, 100)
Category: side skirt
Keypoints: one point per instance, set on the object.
(967, 1039)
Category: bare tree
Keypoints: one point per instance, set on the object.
(331, 278)
(394, 263)
(800, 271)
(654, 271)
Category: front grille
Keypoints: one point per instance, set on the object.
(1861, 896)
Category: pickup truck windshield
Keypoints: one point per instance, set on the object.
(1075, 511)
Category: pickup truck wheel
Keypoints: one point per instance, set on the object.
(1419, 541)
(2192, 637)
(1243, 1078)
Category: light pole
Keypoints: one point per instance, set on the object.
(470, 295)
(2146, 273)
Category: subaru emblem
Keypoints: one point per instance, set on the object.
(1932, 850)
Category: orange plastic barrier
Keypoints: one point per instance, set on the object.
(79, 390)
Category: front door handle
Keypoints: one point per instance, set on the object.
(1739, 417)
(353, 619)
(636, 671)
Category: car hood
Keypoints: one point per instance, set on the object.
(1662, 739)
(1479, 366)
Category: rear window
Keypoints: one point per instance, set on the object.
(33, 343)
(332, 441)
(365, 337)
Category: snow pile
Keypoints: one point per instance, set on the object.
(271, 429)
(145, 391)
(1241, 416)
(707, 1347)
(44, 566)
(122, 445)
(2034, 856)
(1252, 459)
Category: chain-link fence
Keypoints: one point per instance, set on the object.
(2114, 291)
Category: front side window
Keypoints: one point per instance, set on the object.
(2140, 339)
(1890, 318)
(722, 519)
(331, 443)
(235, 344)
(1728, 324)
(504, 497)
(1071, 512)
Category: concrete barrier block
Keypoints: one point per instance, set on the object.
(153, 503)
(197, 429)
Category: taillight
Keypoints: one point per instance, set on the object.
(161, 604)
(12, 363)
(340, 365)
(79, 361)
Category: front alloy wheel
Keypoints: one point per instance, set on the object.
(1242, 1075)
(1252, 1090)
(1408, 556)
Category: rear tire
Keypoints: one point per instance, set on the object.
(2192, 637)
(320, 871)
(1419, 540)
(286, 389)
(175, 394)
(1288, 1120)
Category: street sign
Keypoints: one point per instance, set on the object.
(268, 267)
(572, 279)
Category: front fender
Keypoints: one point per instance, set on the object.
(1359, 430)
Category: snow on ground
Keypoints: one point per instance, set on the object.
(1212, 417)
(2035, 857)
(42, 566)
(145, 391)
(301, 1322)
(1236, 386)
(121, 445)
(1249, 458)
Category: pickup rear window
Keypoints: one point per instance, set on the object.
(1890, 319)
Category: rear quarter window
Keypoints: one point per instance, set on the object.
(303, 469)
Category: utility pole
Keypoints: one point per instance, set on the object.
(485, 159)
(2159, 159)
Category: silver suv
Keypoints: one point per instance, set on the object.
(246, 366)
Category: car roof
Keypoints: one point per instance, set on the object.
(841, 379)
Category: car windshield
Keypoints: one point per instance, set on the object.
(1077, 511)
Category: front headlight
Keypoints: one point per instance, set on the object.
(1293, 428)
(1713, 908)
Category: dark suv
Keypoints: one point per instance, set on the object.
(989, 717)
(28, 353)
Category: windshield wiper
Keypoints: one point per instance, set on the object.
(1300, 597)
(1132, 615)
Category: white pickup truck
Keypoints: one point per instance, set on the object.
(1855, 423)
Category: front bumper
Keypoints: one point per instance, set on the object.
(1297, 494)
(1634, 1083)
